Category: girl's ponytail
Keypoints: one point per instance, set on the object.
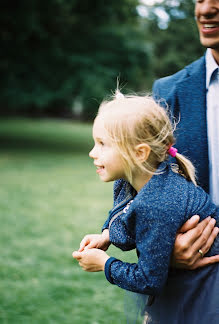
(186, 167)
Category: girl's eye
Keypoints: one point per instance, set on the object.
(101, 143)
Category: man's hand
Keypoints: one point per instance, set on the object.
(192, 237)
(98, 241)
(91, 260)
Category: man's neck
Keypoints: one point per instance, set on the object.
(215, 54)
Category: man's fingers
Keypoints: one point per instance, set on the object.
(207, 236)
(195, 236)
(190, 224)
(210, 240)
(204, 242)
(205, 261)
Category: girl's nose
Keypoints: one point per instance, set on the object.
(91, 153)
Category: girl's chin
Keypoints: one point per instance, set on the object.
(105, 178)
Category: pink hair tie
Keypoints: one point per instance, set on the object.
(172, 151)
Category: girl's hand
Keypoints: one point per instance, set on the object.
(98, 241)
(91, 260)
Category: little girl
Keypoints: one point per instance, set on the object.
(152, 199)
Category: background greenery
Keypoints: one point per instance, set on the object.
(62, 57)
(50, 197)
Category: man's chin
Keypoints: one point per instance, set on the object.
(210, 43)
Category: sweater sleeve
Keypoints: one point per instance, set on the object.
(106, 224)
(156, 230)
(200, 203)
(155, 235)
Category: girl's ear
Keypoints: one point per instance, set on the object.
(142, 152)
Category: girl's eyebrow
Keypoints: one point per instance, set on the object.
(100, 138)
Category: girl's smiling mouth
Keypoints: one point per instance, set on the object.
(99, 168)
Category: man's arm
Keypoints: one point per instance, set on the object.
(191, 237)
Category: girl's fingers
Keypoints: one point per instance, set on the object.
(88, 245)
(81, 248)
(91, 245)
(76, 255)
(83, 243)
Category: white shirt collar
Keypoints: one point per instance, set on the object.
(211, 66)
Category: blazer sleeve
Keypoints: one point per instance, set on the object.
(155, 235)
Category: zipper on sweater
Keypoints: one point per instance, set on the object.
(120, 210)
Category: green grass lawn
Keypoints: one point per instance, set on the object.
(50, 197)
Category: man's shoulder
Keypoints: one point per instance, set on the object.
(169, 82)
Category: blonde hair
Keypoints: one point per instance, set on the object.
(132, 120)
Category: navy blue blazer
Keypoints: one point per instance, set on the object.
(185, 93)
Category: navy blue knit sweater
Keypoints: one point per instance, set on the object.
(148, 221)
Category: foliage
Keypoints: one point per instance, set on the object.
(176, 45)
(57, 53)
(62, 57)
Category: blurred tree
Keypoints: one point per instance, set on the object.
(59, 55)
(175, 44)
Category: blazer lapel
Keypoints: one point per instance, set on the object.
(192, 90)
(191, 94)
